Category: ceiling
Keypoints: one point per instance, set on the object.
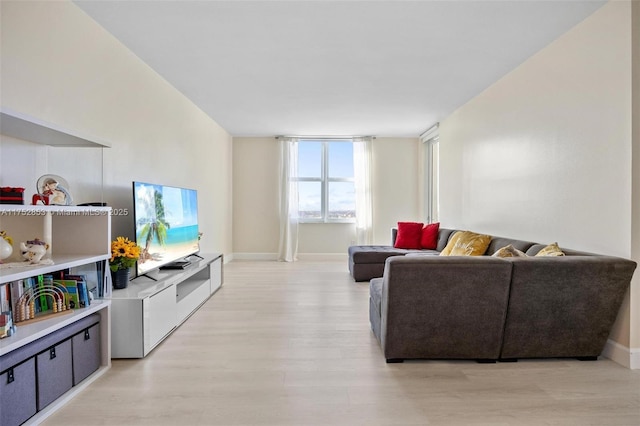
(383, 68)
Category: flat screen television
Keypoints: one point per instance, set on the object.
(166, 225)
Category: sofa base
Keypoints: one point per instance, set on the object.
(401, 360)
(579, 358)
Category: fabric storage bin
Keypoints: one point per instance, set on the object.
(18, 393)
(86, 353)
(54, 372)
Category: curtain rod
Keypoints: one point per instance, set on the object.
(323, 137)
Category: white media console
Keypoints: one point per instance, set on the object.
(147, 311)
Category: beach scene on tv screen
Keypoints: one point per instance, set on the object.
(166, 224)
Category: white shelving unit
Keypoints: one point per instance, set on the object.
(147, 311)
(78, 236)
(71, 246)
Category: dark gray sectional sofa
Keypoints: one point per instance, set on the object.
(485, 308)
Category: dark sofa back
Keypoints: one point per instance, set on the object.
(563, 306)
(498, 242)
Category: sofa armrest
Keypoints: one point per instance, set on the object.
(444, 307)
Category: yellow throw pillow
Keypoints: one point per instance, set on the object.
(551, 250)
(509, 251)
(466, 243)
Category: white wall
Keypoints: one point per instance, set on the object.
(634, 296)
(61, 67)
(255, 195)
(545, 153)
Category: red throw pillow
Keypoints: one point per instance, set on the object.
(429, 238)
(409, 235)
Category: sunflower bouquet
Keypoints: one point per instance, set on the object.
(124, 254)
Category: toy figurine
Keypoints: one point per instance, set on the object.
(33, 250)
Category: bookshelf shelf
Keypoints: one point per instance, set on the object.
(31, 332)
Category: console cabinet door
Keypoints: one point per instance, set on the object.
(160, 316)
(216, 274)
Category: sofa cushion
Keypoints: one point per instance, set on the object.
(424, 252)
(409, 235)
(374, 254)
(466, 243)
(429, 238)
(551, 250)
(509, 251)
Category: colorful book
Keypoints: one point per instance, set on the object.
(71, 296)
(83, 292)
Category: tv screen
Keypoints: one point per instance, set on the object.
(166, 224)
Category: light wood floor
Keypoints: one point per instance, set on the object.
(290, 344)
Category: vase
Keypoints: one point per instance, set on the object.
(5, 249)
(120, 278)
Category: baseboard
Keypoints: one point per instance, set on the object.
(255, 256)
(301, 256)
(323, 256)
(627, 357)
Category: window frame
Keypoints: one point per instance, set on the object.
(324, 181)
(431, 167)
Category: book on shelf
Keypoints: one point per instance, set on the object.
(5, 297)
(6, 325)
(6, 320)
(44, 304)
(83, 292)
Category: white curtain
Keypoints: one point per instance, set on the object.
(288, 248)
(362, 178)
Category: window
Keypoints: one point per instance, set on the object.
(326, 191)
